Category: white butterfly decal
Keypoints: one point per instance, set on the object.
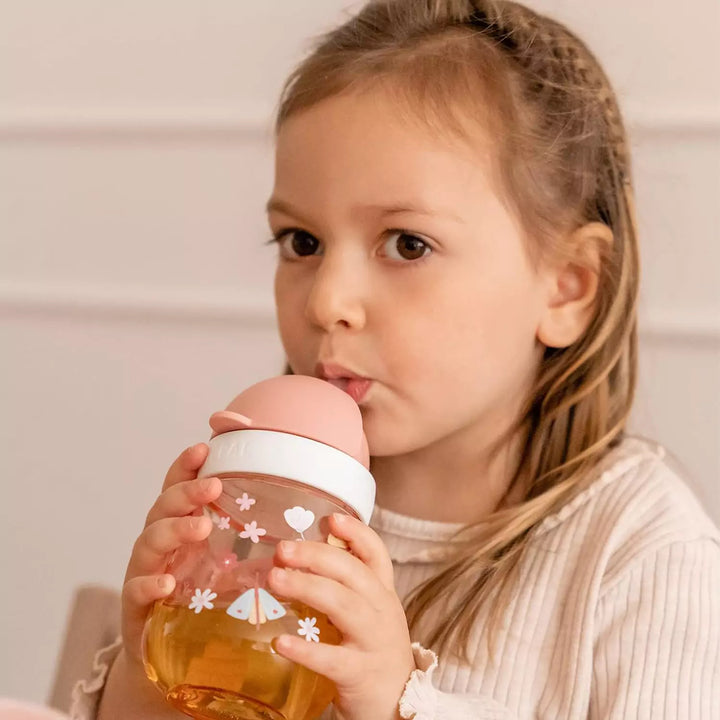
(257, 606)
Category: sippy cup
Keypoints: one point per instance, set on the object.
(290, 451)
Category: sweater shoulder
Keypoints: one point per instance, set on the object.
(637, 505)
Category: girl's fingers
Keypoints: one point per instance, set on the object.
(344, 607)
(184, 498)
(330, 562)
(151, 549)
(138, 594)
(141, 592)
(173, 521)
(366, 544)
(186, 465)
(328, 660)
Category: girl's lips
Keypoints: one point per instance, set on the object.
(356, 388)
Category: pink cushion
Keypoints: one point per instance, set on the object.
(20, 710)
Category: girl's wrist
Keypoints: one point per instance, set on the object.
(129, 694)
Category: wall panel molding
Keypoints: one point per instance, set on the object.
(257, 123)
(91, 124)
(155, 303)
(254, 308)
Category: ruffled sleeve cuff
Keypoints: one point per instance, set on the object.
(423, 701)
(419, 700)
(86, 694)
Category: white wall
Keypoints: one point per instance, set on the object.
(135, 298)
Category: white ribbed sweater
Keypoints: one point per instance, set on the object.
(615, 610)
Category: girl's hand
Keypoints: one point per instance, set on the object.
(174, 520)
(356, 591)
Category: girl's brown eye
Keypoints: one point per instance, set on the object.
(404, 246)
(298, 243)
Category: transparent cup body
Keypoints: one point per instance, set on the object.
(208, 646)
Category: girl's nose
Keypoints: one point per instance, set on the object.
(337, 295)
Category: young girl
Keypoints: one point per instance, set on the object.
(453, 213)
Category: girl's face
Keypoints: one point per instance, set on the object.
(399, 263)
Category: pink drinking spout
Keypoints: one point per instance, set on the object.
(299, 405)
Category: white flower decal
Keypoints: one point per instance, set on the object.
(245, 501)
(224, 523)
(202, 599)
(308, 629)
(253, 532)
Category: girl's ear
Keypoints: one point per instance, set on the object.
(572, 287)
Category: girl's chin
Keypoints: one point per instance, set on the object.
(385, 439)
(378, 440)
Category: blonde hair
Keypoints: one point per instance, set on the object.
(562, 157)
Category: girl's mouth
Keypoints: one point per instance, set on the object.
(356, 388)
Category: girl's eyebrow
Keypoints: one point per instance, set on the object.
(277, 205)
(409, 207)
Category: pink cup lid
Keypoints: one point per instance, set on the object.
(299, 405)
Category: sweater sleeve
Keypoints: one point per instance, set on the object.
(422, 701)
(87, 693)
(657, 641)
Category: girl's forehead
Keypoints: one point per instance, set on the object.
(370, 146)
(379, 117)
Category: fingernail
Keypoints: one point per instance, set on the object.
(279, 574)
(287, 548)
(339, 518)
(164, 583)
(198, 522)
(207, 483)
(282, 642)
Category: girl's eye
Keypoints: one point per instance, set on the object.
(297, 243)
(402, 245)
